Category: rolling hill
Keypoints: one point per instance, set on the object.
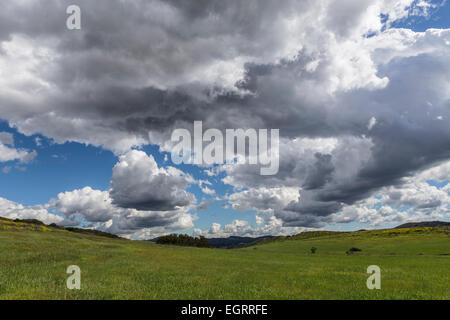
(431, 224)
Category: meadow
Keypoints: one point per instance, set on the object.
(415, 264)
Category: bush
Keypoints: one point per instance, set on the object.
(313, 250)
(352, 250)
(54, 225)
(31, 221)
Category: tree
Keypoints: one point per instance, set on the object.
(184, 240)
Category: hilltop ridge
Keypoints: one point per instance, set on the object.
(431, 224)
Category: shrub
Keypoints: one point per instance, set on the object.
(352, 250)
(30, 221)
(313, 250)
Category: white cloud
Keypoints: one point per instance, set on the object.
(263, 199)
(440, 172)
(215, 228)
(9, 153)
(208, 191)
(144, 200)
(96, 207)
(93, 205)
(13, 210)
(269, 226)
(6, 138)
(137, 182)
(372, 123)
(413, 200)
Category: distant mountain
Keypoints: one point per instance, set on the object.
(431, 224)
(230, 242)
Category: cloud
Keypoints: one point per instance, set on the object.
(404, 141)
(6, 138)
(263, 199)
(241, 228)
(143, 201)
(13, 210)
(112, 84)
(38, 141)
(208, 191)
(6, 169)
(137, 182)
(312, 171)
(440, 172)
(96, 207)
(9, 153)
(204, 205)
(415, 199)
(138, 224)
(93, 205)
(372, 123)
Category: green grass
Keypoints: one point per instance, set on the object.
(415, 264)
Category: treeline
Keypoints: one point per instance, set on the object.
(184, 240)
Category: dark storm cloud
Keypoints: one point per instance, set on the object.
(131, 67)
(128, 223)
(320, 173)
(408, 137)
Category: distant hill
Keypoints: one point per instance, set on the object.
(425, 224)
(230, 242)
(37, 225)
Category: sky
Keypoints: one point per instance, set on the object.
(359, 90)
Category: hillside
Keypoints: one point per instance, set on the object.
(415, 264)
(36, 225)
(431, 224)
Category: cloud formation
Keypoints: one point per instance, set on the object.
(9, 153)
(95, 208)
(13, 210)
(137, 182)
(361, 106)
(143, 200)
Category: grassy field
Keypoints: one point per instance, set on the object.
(415, 264)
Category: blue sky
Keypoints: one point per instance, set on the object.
(438, 18)
(73, 166)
